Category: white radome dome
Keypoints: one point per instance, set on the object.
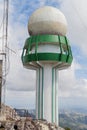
(47, 20)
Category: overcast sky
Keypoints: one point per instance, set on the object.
(20, 85)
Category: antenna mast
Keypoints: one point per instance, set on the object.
(5, 53)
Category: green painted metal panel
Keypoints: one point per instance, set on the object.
(63, 58)
(46, 57)
(45, 38)
(62, 39)
(65, 54)
(69, 60)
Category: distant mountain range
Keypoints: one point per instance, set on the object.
(72, 120)
(74, 110)
(75, 121)
(25, 113)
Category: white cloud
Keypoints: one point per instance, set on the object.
(20, 79)
(20, 99)
(69, 85)
(75, 12)
(17, 35)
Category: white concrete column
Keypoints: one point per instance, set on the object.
(39, 93)
(46, 94)
(56, 97)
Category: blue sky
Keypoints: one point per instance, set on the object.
(20, 85)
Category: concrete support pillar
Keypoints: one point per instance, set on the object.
(47, 94)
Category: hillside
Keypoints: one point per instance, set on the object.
(75, 121)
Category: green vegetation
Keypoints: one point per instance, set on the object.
(66, 128)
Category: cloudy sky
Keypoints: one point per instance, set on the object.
(20, 85)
